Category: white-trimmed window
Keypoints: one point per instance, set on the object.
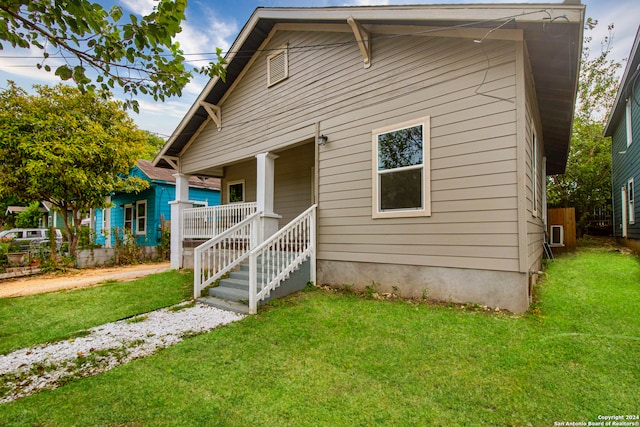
(141, 217)
(401, 170)
(235, 191)
(628, 122)
(105, 225)
(534, 172)
(128, 218)
(630, 200)
(278, 65)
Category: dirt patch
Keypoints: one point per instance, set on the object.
(76, 279)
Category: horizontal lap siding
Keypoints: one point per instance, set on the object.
(473, 166)
(535, 223)
(293, 189)
(626, 165)
(473, 142)
(292, 181)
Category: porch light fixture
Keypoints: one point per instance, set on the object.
(322, 139)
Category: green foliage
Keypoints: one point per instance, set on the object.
(7, 221)
(127, 249)
(153, 147)
(371, 291)
(67, 148)
(30, 217)
(163, 248)
(7, 245)
(140, 55)
(87, 238)
(586, 183)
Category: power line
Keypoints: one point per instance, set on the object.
(251, 52)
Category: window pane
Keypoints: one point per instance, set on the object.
(141, 225)
(235, 193)
(141, 209)
(401, 190)
(400, 148)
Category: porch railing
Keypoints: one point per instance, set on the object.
(221, 254)
(211, 221)
(280, 255)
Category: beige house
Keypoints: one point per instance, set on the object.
(416, 139)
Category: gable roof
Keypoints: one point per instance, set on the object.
(163, 175)
(553, 35)
(630, 76)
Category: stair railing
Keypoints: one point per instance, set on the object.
(280, 255)
(217, 256)
(209, 221)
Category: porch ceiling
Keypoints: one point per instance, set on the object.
(552, 32)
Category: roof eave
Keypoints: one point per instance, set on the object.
(632, 65)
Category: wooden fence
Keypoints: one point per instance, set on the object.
(565, 218)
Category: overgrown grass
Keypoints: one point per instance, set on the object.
(60, 315)
(332, 359)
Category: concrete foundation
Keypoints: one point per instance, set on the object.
(503, 289)
(106, 256)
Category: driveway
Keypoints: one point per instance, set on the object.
(76, 279)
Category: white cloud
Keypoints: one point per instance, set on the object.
(160, 117)
(140, 7)
(20, 65)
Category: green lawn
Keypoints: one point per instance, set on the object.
(54, 316)
(326, 359)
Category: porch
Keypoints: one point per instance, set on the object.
(248, 266)
(250, 250)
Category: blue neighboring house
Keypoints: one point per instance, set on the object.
(623, 127)
(141, 213)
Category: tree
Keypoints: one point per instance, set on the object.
(139, 55)
(30, 217)
(68, 148)
(154, 145)
(586, 183)
(7, 221)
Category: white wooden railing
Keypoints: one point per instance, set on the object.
(280, 255)
(221, 254)
(211, 221)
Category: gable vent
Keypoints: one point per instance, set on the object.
(277, 66)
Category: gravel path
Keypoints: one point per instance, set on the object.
(25, 371)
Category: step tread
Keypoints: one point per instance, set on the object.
(225, 304)
(232, 294)
(234, 283)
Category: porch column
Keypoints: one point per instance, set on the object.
(107, 223)
(264, 194)
(177, 206)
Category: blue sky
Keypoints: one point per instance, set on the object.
(215, 23)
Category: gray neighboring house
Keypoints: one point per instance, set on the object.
(419, 135)
(623, 127)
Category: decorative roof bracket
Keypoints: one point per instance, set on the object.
(214, 112)
(173, 161)
(363, 37)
